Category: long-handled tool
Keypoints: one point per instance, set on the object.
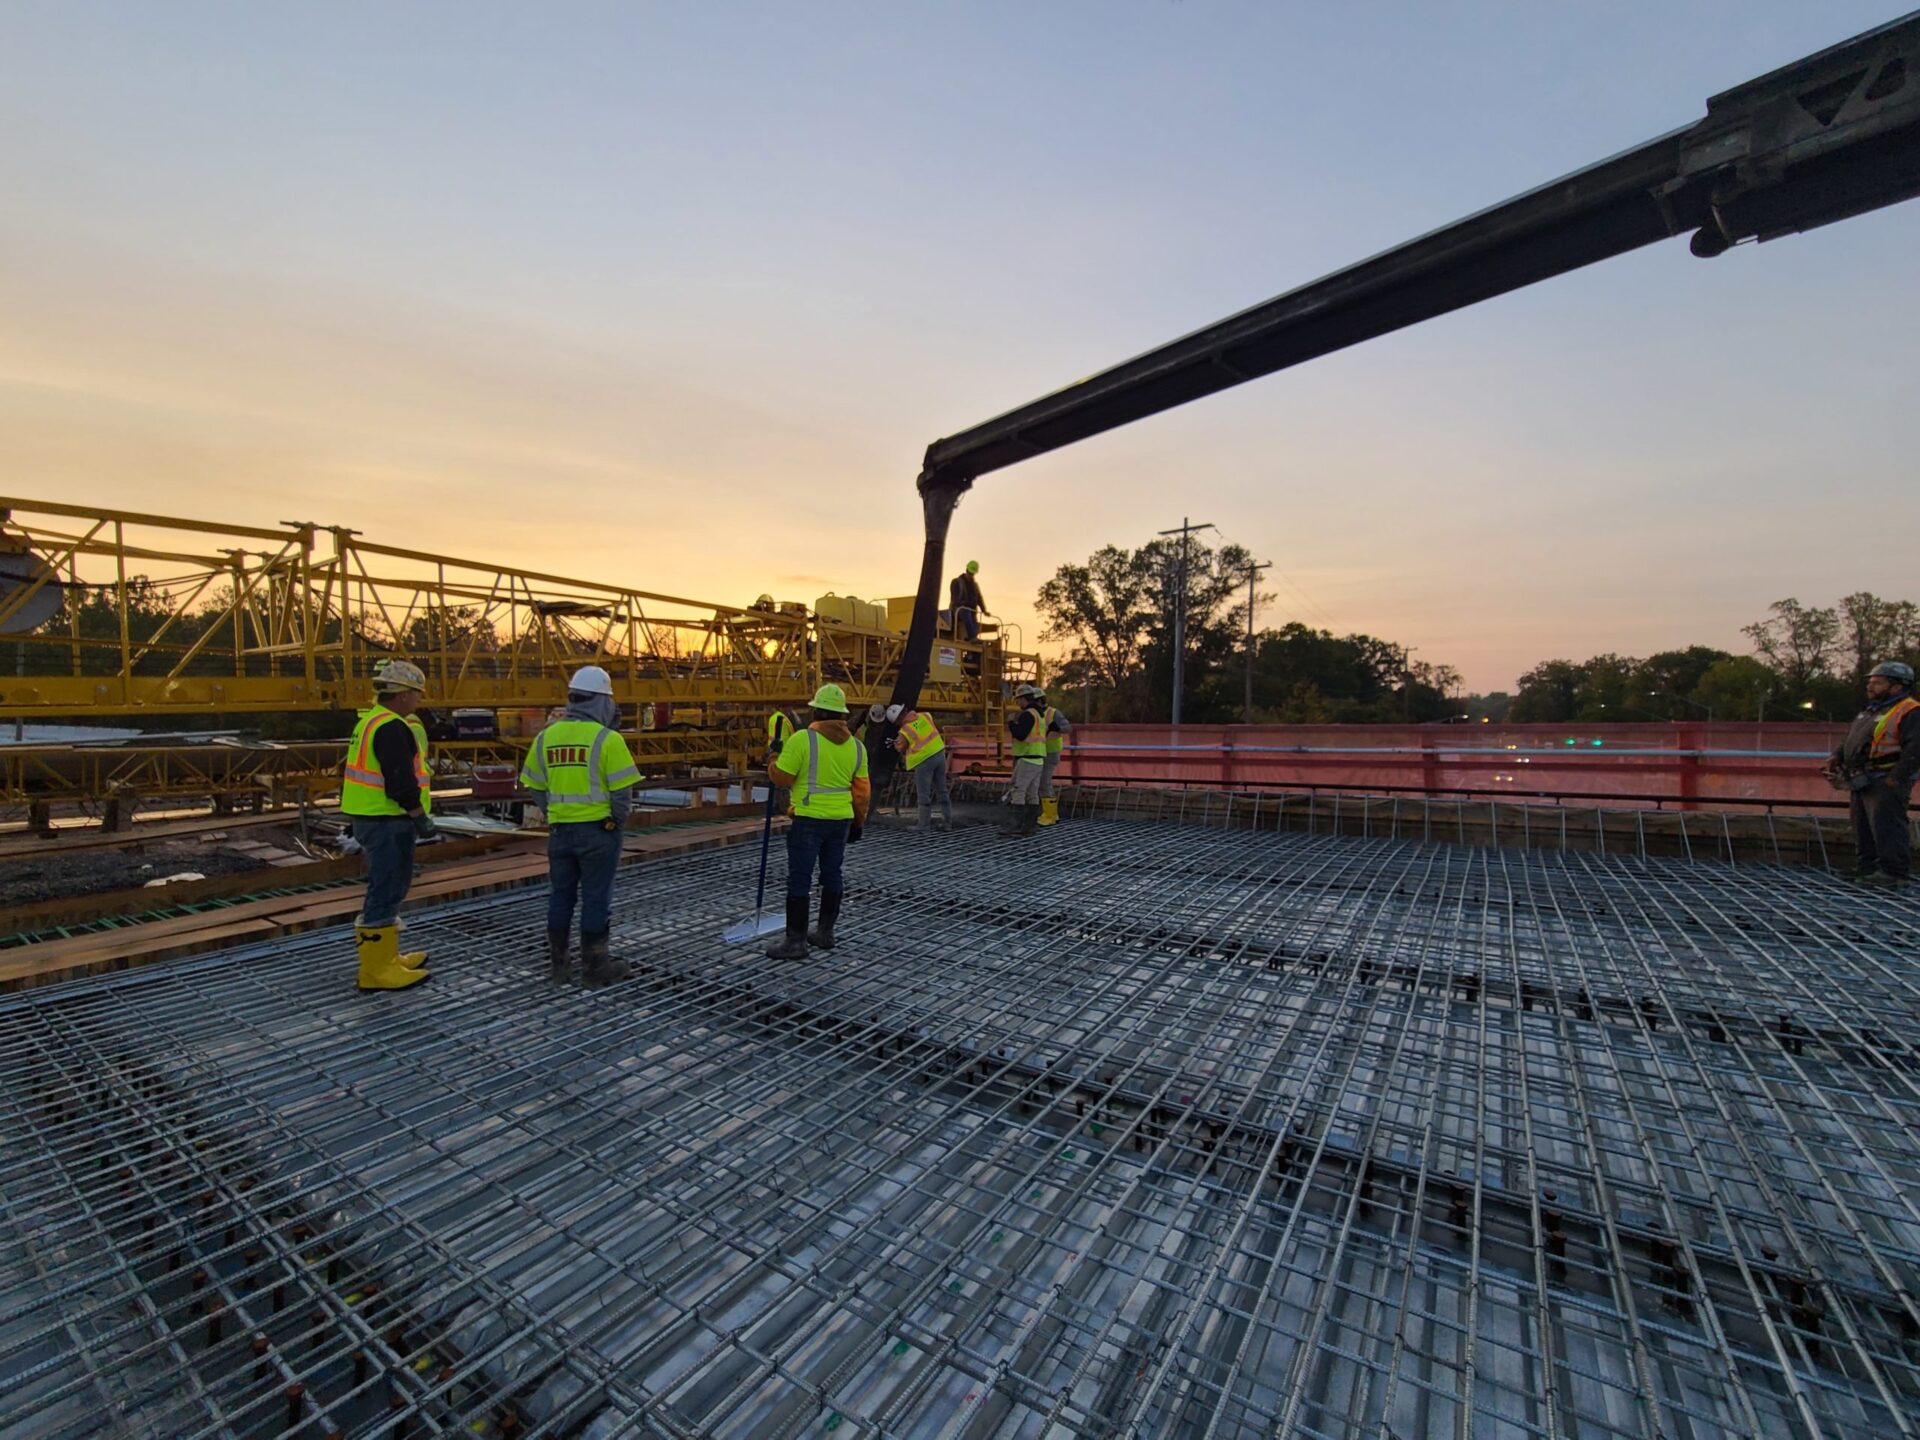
(745, 932)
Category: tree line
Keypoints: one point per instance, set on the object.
(1116, 609)
(1808, 663)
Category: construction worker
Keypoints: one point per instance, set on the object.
(1058, 729)
(1027, 728)
(965, 603)
(826, 769)
(1877, 763)
(582, 774)
(387, 790)
(924, 753)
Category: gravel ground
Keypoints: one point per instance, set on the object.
(29, 880)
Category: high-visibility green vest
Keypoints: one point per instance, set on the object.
(579, 763)
(364, 790)
(825, 772)
(1034, 747)
(923, 740)
(1056, 739)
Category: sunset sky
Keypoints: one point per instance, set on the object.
(676, 295)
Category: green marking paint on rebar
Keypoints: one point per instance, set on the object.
(1069, 1154)
(998, 1236)
(954, 1287)
(901, 1347)
(833, 1421)
(1098, 1127)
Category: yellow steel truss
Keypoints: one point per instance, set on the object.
(196, 617)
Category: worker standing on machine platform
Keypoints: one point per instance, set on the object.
(826, 769)
(582, 774)
(965, 603)
(1877, 763)
(387, 791)
(924, 752)
(1058, 729)
(1027, 728)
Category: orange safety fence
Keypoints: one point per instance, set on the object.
(1688, 766)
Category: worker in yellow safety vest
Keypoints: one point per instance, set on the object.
(825, 768)
(387, 792)
(1876, 762)
(582, 774)
(1027, 730)
(1058, 729)
(924, 752)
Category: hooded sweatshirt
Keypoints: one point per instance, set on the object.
(832, 728)
(601, 710)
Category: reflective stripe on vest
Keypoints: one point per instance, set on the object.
(364, 788)
(575, 805)
(825, 802)
(923, 739)
(1034, 747)
(1885, 749)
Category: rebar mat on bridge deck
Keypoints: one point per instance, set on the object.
(1126, 1129)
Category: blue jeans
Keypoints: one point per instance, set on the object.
(581, 859)
(810, 840)
(387, 842)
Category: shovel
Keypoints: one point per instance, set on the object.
(745, 932)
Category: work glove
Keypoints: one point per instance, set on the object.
(855, 832)
(876, 712)
(893, 711)
(423, 826)
(533, 817)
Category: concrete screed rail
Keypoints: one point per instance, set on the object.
(1132, 1129)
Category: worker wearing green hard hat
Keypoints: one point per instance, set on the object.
(825, 767)
(965, 603)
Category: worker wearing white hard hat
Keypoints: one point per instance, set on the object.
(582, 774)
(387, 792)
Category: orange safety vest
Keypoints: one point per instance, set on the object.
(1885, 749)
(364, 789)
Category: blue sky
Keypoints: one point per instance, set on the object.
(676, 296)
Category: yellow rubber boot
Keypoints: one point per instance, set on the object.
(380, 967)
(411, 959)
(1049, 812)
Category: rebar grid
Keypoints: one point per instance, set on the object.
(1131, 1128)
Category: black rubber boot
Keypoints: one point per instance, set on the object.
(597, 967)
(1029, 821)
(821, 937)
(559, 963)
(794, 945)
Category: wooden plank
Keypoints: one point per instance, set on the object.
(23, 973)
(508, 867)
(78, 909)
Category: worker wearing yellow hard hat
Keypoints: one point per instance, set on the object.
(825, 768)
(582, 774)
(387, 793)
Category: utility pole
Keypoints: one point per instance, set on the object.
(1186, 529)
(1253, 574)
